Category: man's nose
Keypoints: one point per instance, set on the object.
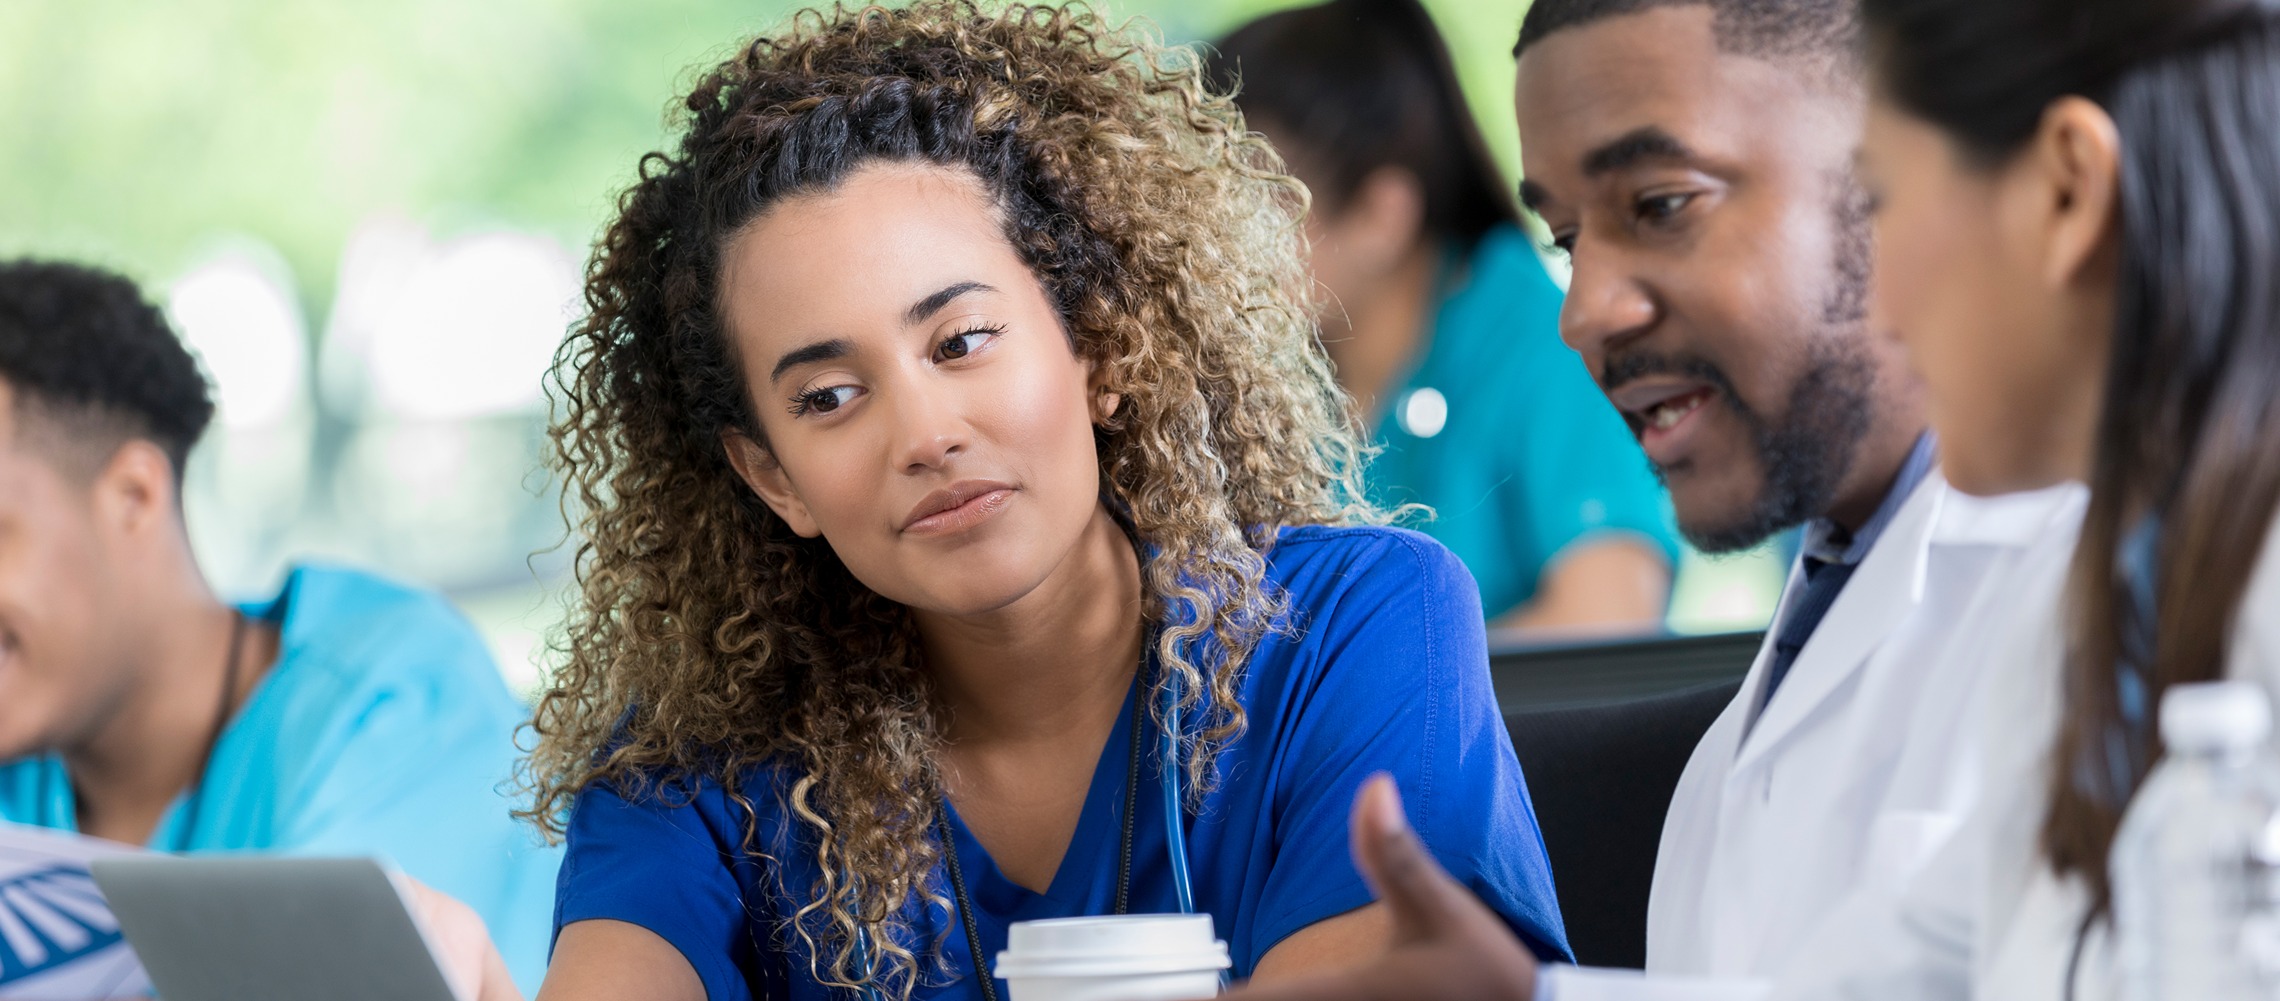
(1605, 305)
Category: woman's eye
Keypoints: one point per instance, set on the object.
(960, 345)
(822, 401)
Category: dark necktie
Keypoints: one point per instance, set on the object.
(1823, 581)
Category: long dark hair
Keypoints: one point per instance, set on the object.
(1362, 84)
(2186, 471)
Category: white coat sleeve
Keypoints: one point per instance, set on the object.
(1913, 942)
(1585, 983)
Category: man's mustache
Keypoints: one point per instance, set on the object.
(1631, 366)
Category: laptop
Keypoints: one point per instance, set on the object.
(271, 929)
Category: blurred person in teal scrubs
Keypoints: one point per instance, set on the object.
(345, 716)
(1444, 325)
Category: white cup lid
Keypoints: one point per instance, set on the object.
(1121, 945)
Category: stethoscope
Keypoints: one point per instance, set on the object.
(1175, 839)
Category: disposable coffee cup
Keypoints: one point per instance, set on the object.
(1132, 957)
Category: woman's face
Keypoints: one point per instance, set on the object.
(1971, 276)
(922, 408)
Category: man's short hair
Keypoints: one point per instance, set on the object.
(1822, 30)
(85, 355)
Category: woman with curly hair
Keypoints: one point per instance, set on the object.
(972, 535)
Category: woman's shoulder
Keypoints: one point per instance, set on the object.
(753, 796)
(1376, 550)
(1326, 566)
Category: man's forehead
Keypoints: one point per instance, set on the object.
(1647, 62)
(1584, 89)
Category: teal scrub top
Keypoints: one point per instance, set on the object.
(1503, 433)
(383, 729)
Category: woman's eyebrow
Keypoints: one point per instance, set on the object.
(932, 304)
(837, 347)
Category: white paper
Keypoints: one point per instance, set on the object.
(58, 940)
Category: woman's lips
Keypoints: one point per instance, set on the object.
(957, 508)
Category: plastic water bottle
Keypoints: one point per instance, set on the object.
(2196, 863)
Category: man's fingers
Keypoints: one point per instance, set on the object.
(1421, 896)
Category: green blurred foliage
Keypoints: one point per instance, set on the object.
(136, 134)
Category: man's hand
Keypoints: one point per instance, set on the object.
(1447, 945)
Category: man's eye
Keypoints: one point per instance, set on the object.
(959, 345)
(1662, 208)
(1563, 244)
(822, 401)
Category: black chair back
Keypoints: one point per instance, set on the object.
(1601, 774)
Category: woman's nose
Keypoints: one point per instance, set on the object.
(928, 429)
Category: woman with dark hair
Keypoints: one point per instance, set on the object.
(2078, 237)
(2080, 242)
(972, 534)
(1443, 324)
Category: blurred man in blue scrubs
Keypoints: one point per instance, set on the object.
(1444, 324)
(345, 716)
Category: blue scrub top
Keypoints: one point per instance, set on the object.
(1515, 448)
(1383, 669)
(383, 729)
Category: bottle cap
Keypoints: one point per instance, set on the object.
(2215, 716)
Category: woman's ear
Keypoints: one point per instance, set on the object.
(1383, 219)
(2073, 163)
(760, 471)
(1105, 401)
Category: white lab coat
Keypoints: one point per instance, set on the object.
(1988, 920)
(1862, 766)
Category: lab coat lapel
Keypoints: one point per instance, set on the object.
(1883, 592)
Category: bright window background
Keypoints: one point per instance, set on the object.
(369, 218)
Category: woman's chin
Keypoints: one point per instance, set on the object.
(972, 591)
(1984, 476)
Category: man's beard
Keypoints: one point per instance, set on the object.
(1807, 453)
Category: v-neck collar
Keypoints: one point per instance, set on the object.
(1092, 846)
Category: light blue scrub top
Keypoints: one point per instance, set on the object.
(383, 729)
(1502, 431)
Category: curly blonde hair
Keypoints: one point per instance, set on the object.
(709, 639)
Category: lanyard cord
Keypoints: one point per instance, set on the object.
(965, 905)
(958, 877)
(214, 738)
(1131, 802)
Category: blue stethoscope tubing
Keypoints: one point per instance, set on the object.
(1175, 810)
(1175, 835)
